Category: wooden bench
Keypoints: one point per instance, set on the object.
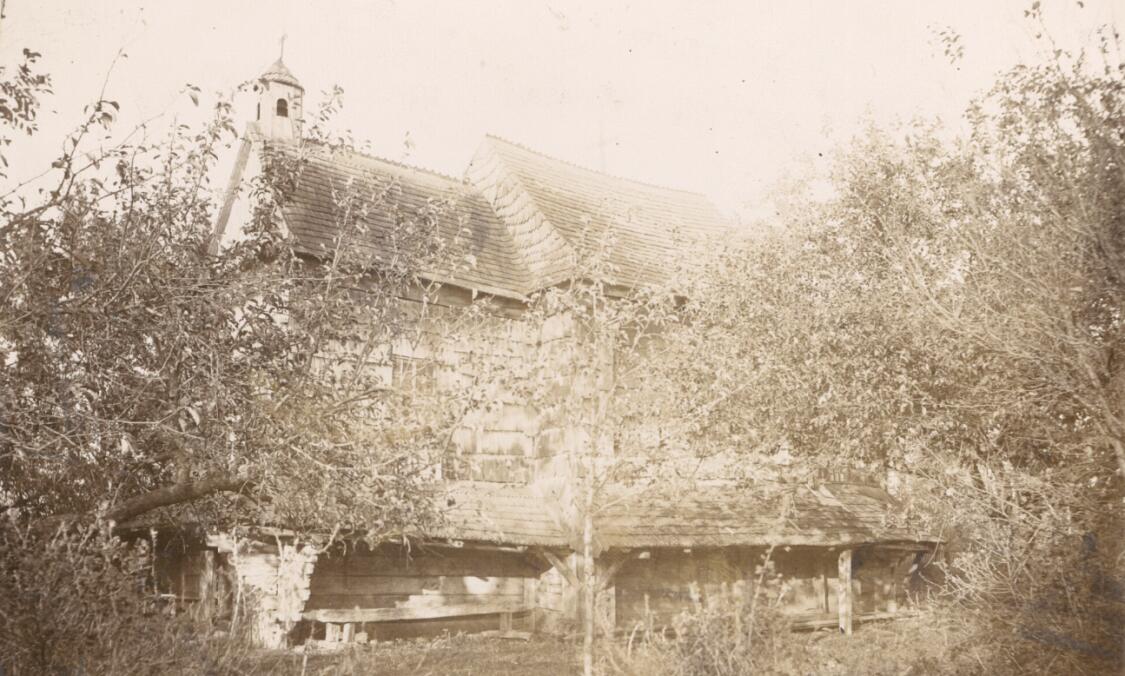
(340, 623)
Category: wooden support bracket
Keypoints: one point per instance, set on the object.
(606, 578)
(558, 563)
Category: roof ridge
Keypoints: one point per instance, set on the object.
(395, 163)
(580, 167)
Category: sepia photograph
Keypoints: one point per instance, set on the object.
(562, 337)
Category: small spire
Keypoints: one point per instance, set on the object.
(281, 56)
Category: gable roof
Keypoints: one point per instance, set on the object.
(650, 231)
(526, 220)
(400, 195)
(721, 516)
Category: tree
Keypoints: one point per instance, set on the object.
(619, 386)
(1011, 249)
(19, 102)
(143, 370)
(954, 314)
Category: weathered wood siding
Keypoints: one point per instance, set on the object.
(391, 578)
(473, 356)
(806, 581)
(180, 573)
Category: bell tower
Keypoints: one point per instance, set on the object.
(280, 101)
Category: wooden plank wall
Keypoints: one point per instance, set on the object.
(178, 565)
(661, 585)
(388, 578)
(496, 356)
(180, 573)
(487, 355)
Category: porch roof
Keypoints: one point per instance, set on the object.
(502, 514)
(724, 516)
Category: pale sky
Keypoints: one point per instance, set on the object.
(717, 97)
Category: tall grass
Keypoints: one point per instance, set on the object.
(81, 601)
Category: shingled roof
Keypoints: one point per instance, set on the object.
(721, 516)
(400, 193)
(501, 514)
(279, 72)
(529, 218)
(558, 211)
(706, 516)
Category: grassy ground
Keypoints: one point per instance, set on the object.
(822, 652)
(876, 649)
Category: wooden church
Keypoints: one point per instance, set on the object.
(505, 557)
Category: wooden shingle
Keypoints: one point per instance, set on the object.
(499, 513)
(397, 194)
(722, 516)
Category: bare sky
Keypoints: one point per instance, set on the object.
(719, 97)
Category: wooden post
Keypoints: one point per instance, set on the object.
(648, 616)
(824, 604)
(349, 632)
(606, 595)
(505, 623)
(844, 591)
(531, 598)
(892, 593)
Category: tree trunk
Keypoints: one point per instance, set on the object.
(589, 592)
(176, 494)
(1119, 451)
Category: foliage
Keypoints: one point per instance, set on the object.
(1010, 246)
(730, 632)
(146, 368)
(955, 316)
(1032, 573)
(19, 102)
(924, 645)
(81, 601)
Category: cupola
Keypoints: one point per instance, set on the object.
(280, 103)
